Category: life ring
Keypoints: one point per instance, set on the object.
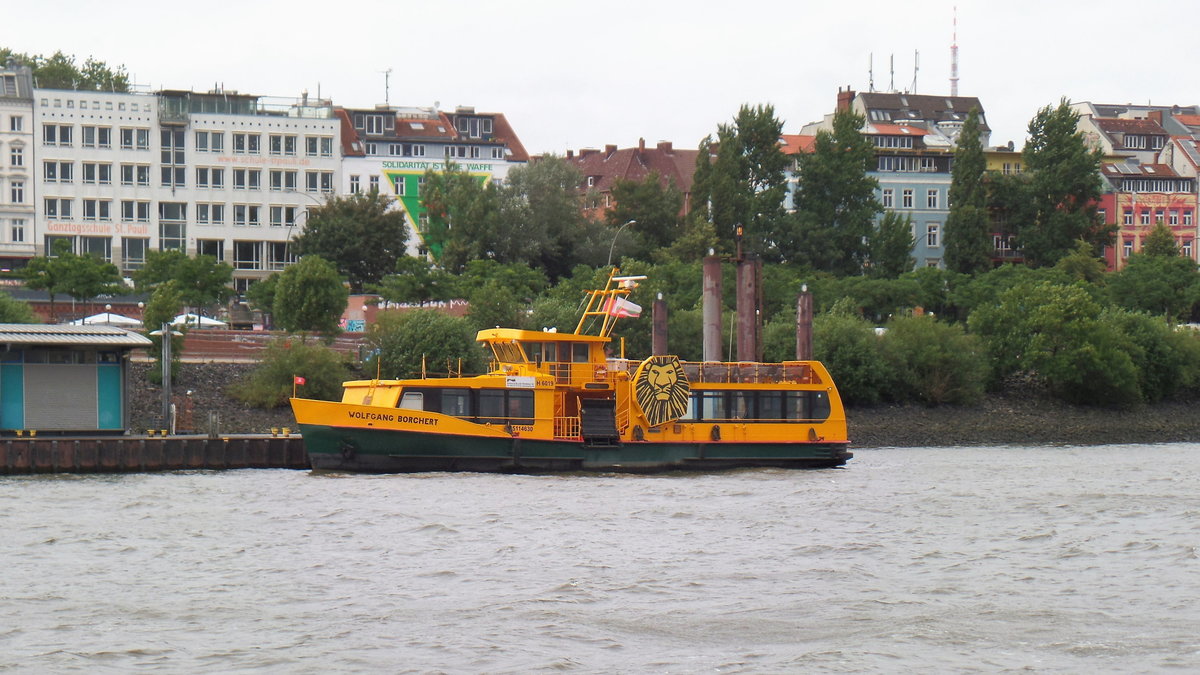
(601, 373)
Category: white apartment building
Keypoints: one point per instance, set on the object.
(391, 148)
(218, 173)
(16, 158)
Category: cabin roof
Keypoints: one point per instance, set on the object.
(509, 334)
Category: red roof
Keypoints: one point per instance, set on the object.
(896, 130)
(1151, 170)
(795, 144)
(1130, 126)
(1189, 120)
(501, 130)
(351, 144)
(424, 127)
(607, 166)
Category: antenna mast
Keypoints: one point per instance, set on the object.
(892, 73)
(871, 72)
(954, 56)
(387, 75)
(916, 67)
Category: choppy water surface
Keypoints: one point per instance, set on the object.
(963, 559)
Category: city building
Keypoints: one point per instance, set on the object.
(215, 173)
(390, 149)
(16, 158)
(601, 169)
(1149, 171)
(915, 136)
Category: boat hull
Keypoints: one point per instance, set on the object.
(372, 450)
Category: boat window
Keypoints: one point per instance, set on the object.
(741, 405)
(508, 352)
(491, 405)
(456, 402)
(564, 352)
(770, 405)
(806, 405)
(412, 400)
(712, 405)
(579, 353)
(533, 350)
(520, 404)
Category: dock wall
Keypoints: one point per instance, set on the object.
(126, 454)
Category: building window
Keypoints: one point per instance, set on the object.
(1102, 215)
(16, 123)
(16, 156)
(399, 183)
(889, 198)
(326, 146)
(211, 247)
(354, 187)
(97, 209)
(1187, 216)
(247, 255)
(931, 199)
(1160, 216)
(1145, 216)
(374, 183)
(57, 134)
(1187, 248)
(932, 235)
(374, 124)
(134, 211)
(907, 198)
(58, 172)
(929, 164)
(1127, 248)
(1173, 217)
(16, 230)
(57, 208)
(372, 148)
(246, 144)
(283, 216)
(16, 190)
(497, 152)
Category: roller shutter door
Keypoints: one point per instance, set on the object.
(60, 397)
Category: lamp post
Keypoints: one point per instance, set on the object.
(614, 241)
(304, 213)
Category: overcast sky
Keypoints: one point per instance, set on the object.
(570, 74)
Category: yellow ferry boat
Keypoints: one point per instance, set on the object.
(556, 402)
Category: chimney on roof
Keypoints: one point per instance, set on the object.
(641, 145)
(609, 150)
(844, 98)
(570, 154)
(664, 146)
(1156, 116)
(584, 152)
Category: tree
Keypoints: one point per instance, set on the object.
(747, 182)
(60, 72)
(835, 200)
(403, 341)
(417, 281)
(933, 362)
(655, 208)
(1053, 335)
(272, 381)
(544, 197)
(1166, 286)
(848, 347)
(64, 273)
(201, 280)
(968, 242)
(465, 222)
(164, 305)
(1083, 264)
(359, 234)
(15, 311)
(891, 246)
(1160, 242)
(1064, 186)
(310, 297)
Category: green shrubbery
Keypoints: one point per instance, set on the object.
(270, 384)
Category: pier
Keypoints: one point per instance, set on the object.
(135, 454)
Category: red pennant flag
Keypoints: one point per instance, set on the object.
(299, 380)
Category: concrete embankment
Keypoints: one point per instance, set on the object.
(119, 454)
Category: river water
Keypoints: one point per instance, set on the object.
(946, 559)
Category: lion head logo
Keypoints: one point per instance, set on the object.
(661, 389)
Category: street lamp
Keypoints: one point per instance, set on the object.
(614, 241)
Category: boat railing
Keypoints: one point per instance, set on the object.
(743, 372)
(566, 427)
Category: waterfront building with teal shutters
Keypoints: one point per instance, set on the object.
(61, 379)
